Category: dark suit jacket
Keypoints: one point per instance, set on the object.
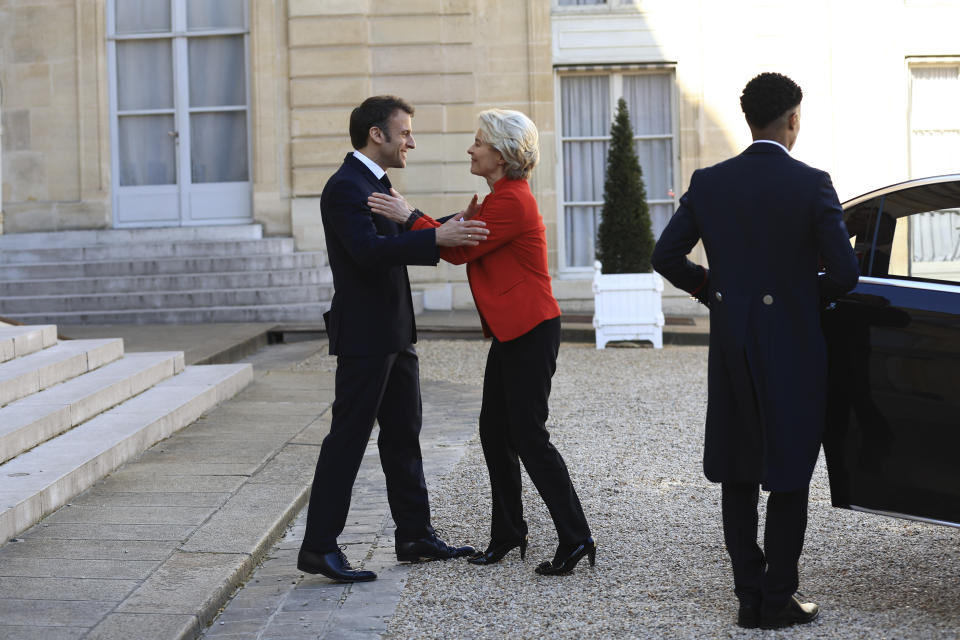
(372, 311)
(765, 220)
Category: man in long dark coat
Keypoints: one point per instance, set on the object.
(766, 221)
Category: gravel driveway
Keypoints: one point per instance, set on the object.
(629, 422)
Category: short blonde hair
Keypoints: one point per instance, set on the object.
(516, 138)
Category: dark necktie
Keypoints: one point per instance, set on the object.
(386, 182)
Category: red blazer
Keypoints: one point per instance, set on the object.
(508, 271)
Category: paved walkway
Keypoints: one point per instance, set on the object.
(279, 602)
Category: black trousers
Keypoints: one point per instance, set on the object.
(516, 386)
(766, 577)
(385, 389)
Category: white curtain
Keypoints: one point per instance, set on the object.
(144, 74)
(217, 76)
(936, 236)
(573, 3)
(585, 112)
(141, 16)
(218, 139)
(218, 147)
(648, 98)
(147, 150)
(145, 81)
(215, 14)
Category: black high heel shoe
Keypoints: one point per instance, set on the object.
(564, 561)
(495, 552)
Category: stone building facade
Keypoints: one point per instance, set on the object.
(87, 83)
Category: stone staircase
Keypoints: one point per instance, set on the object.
(73, 411)
(157, 276)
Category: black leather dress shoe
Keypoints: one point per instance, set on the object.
(333, 564)
(432, 548)
(794, 612)
(749, 615)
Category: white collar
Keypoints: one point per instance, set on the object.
(768, 142)
(376, 169)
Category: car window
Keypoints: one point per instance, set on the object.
(924, 246)
(861, 221)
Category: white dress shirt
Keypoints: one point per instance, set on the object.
(756, 141)
(377, 170)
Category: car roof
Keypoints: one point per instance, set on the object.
(915, 196)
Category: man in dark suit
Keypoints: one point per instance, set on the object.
(766, 221)
(371, 330)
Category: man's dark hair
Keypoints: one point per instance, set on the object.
(374, 112)
(767, 97)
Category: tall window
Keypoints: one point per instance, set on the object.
(179, 111)
(934, 119)
(935, 150)
(586, 111)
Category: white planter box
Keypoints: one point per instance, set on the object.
(627, 306)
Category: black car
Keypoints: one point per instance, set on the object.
(892, 439)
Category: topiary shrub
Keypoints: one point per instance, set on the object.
(624, 238)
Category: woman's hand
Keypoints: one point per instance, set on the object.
(471, 210)
(393, 207)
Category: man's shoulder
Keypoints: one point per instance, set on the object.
(803, 167)
(345, 182)
(346, 171)
(778, 162)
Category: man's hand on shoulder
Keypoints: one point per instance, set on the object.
(457, 232)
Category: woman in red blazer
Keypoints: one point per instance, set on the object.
(510, 282)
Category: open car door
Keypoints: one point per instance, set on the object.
(892, 439)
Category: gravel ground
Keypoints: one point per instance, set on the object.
(629, 423)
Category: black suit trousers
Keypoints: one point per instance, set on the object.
(516, 387)
(385, 389)
(766, 577)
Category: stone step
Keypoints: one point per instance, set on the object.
(38, 482)
(35, 419)
(306, 312)
(59, 239)
(11, 306)
(160, 266)
(35, 372)
(174, 282)
(141, 251)
(18, 341)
